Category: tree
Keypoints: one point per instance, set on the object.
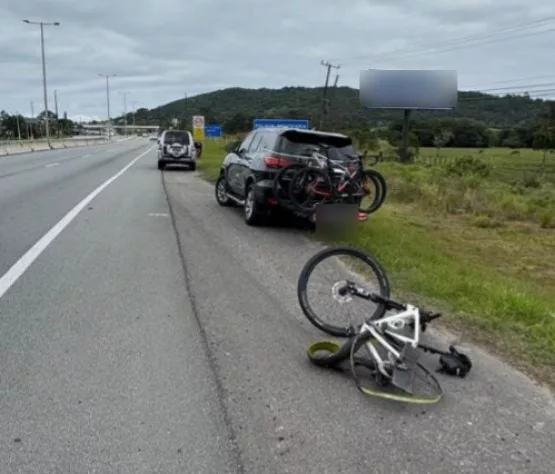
(43, 114)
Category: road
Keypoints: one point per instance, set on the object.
(151, 331)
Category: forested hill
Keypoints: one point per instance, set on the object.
(235, 105)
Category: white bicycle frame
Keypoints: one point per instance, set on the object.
(396, 321)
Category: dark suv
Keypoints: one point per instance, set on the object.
(247, 172)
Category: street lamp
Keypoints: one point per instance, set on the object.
(42, 25)
(108, 76)
(125, 94)
(134, 107)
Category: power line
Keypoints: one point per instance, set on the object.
(498, 97)
(525, 87)
(461, 41)
(465, 46)
(509, 81)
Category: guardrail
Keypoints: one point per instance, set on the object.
(13, 147)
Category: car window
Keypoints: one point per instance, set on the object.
(255, 144)
(301, 146)
(267, 142)
(177, 137)
(247, 141)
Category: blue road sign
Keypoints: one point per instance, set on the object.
(212, 131)
(274, 123)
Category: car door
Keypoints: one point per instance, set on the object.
(235, 166)
(246, 159)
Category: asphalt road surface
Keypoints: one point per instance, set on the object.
(144, 329)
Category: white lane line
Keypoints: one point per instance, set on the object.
(19, 267)
(86, 156)
(51, 165)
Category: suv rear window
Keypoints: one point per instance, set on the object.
(177, 137)
(303, 144)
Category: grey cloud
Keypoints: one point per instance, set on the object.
(165, 48)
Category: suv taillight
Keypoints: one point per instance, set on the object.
(275, 162)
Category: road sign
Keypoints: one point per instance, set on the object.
(198, 121)
(212, 131)
(274, 123)
(198, 134)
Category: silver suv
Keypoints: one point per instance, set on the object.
(177, 147)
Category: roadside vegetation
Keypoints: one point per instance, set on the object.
(472, 233)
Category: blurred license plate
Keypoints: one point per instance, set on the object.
(336, 220)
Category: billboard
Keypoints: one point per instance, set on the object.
(276, 123)
(408, 89)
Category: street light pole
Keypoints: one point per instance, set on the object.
(45, 92)
(108, 76)
(125, 94)
(134, 106)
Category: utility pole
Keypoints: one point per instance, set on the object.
(134, 107)
(56, 111)
(56, 103)
(329, 67)
(32, 118)
(18, 127)
(185, 121)
(45, 92)
(125, 94)
(107, 77)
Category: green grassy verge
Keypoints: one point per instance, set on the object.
(477, 243)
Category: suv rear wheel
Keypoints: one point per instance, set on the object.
(254, 215)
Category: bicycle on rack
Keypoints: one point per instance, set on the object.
(392, 358)
(322, 180)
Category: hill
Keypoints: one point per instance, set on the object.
(233, 106)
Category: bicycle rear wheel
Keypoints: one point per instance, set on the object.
(282, 182)
(309, 187)
(346, 313)
(373, 184)
(425, 388)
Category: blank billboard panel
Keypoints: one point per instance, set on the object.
(408, 89)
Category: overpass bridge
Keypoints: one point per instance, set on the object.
(129, 128)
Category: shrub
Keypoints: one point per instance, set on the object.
(468, 165)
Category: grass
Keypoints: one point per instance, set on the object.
(472, 234)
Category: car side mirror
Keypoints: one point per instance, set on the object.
(232, 147)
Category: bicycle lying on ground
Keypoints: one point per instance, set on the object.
(321, 180)
(392, 355)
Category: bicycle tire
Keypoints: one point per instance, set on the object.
(308, 268)
(381, 189)
(293, 195)
(280, 194)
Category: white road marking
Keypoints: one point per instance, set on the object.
(158, 214)
(51, 165)
(19, 267)
(86, 156)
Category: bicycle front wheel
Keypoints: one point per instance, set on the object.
(319, 296)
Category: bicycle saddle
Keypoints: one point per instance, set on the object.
(454, 363)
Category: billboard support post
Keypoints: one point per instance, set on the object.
(404, 152)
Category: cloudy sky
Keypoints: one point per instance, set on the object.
(161, 50)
